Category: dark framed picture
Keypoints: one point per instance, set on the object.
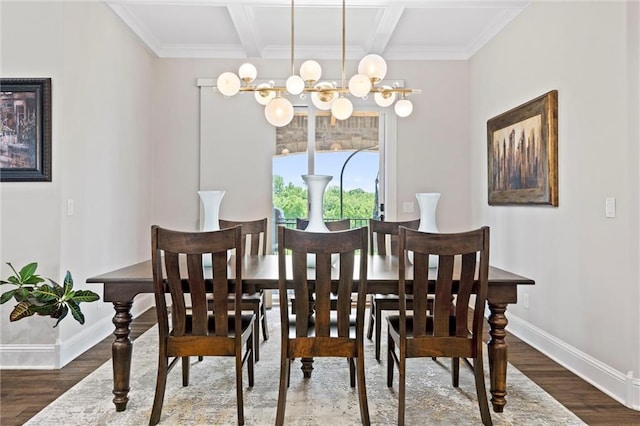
(523, 153)
(25, 137)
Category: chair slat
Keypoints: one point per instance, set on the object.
(198, 294)
(441, 309)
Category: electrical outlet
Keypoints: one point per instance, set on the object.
(610, 207)
(525, 300)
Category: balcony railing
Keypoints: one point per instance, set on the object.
(355, 223)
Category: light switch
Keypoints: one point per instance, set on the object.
(69, 207)
(407, 207)
(610, 207)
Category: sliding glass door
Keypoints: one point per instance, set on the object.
(348, 150)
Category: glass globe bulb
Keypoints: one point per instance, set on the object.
(228, 84)
(373, 66)
(263, 97)
(323, 100)
(247, 72)
(310, 71)
(404, 108)
(295, 85)
(342, 108)
(359, 85)
(279, 112)
(385, 99)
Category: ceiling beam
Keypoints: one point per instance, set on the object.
(243, 20)
(388, 23)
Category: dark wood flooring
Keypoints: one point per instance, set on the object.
(25, 392)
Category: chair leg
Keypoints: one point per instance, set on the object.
(352, 372)
(185, 371)
(362, 392)
(285, 370)
(161, 385)
(402, 364)
(378, 329)
(263, 316)
(371, 318)
(455, 371)
(390, 360)
(481, 391)
(239, 399)
(256, 333)
(250, 367)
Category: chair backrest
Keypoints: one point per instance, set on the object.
(253, 230)
(178, 267)
(463, 269)
(332, 225)
(320, 281)
(381, 231)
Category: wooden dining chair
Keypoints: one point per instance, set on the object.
(332, 225)
(463, 269)
(383, 240)
(330, 334)
(254, 239)
(198, 331)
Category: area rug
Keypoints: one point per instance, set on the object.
(325, 399)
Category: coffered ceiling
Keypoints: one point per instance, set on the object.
(411, 29)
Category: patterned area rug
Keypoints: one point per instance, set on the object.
(325, 399)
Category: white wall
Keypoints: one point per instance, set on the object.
(101, 86)
(584, 308)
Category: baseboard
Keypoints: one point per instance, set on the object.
(32, 357)
(54, 356)
(622, 387)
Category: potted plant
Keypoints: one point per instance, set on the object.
(35, 296)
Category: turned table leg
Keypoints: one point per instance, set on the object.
(121, 351)
(307, 367)
(498, 355)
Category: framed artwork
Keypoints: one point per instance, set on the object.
(523, 153)
(25, 136)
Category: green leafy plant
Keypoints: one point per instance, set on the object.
(35, 296)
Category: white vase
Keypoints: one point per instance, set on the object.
(211, 215)
(316, 185)
(428, 203)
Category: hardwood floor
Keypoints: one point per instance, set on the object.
(25, 392)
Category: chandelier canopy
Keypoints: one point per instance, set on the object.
(325, 95)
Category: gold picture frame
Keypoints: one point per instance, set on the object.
(522, 154)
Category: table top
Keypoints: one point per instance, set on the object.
(261, 271)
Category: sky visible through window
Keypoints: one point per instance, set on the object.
(360, 172)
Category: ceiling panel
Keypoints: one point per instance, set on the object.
(412, 29)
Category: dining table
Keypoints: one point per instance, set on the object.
(260, 272)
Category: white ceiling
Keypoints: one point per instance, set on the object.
(411, 29)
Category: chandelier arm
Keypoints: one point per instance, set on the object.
(339, 90)
(344, 32)
(293, 70)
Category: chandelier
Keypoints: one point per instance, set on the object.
(324, 95)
